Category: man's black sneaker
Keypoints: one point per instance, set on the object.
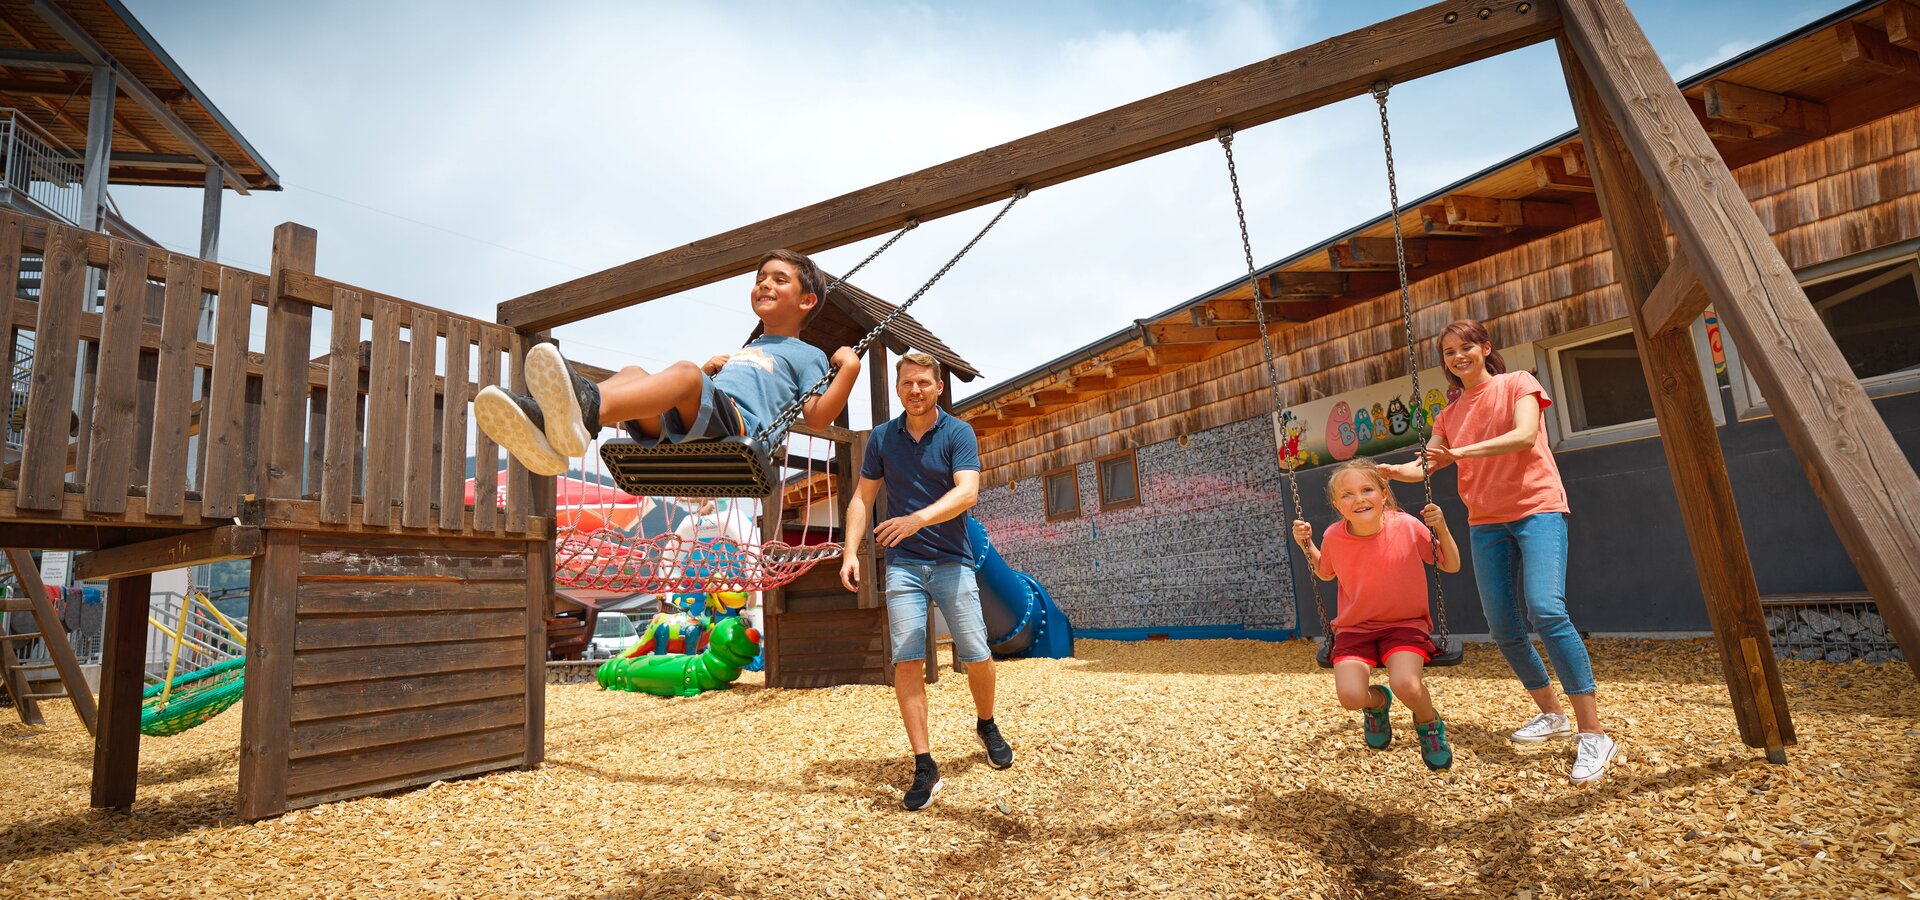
(514, 421)
(999, 752)
(574, 401)
(926, 783)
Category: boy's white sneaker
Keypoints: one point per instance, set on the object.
(1542, 727)
(554, 387)
(1590, 760)
(514, 422)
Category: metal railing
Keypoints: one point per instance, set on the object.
(37, 172)
(205, 637)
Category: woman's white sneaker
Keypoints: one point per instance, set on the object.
(1543, 727)
(1590, 760)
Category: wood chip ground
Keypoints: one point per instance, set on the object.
(1167, 769)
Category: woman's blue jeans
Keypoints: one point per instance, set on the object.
(1531, 553)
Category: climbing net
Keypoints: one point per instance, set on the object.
(609, 540)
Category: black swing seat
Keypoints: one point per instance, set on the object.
(1450, 652)
(728, 467)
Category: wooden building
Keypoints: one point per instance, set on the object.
(1107, 466)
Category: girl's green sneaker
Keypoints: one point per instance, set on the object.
(1434, 749)
(1377, 723)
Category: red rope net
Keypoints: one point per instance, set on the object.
(603, 540)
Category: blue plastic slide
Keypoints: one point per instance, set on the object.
(1021, 617)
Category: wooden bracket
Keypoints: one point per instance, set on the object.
(1677, 299)
(172, 552)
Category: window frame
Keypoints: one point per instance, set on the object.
(1562, 384)
(1046, 493)
(1100, 479)
(1748, 403)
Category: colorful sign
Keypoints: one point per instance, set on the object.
(1376, 419)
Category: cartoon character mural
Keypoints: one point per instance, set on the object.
(1363, 426)
(1398, 419)
(1342, 441)
(1292, 428)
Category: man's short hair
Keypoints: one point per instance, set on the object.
(917, 358)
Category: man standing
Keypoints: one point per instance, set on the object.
(930, 463)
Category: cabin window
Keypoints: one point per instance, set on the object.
(1873, 314)
(1119, 477)
(1600, 392)
(1063, 493)
(1602, 384)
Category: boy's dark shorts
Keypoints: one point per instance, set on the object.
(719, 417)
(1371, 647)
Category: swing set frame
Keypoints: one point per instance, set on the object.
(1655, 170)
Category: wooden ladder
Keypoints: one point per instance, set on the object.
(30, 596)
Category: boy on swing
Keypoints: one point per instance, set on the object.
(733, 394)
(1379, 554)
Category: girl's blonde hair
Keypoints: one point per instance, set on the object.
(1365, 467)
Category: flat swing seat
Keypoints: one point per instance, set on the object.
(728, 467)
(1450, 652)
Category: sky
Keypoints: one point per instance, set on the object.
(462, 154)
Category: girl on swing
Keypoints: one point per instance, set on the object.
(1379, 553)
(1517, 522)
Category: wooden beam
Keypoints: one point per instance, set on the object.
(266, 709)
(1574, 157)
(1307, 284)
(1160, 335)
(1902, 20)
(1375, 253)
(1240, 312)
(1400, 49)
(1493, 212)
(1752, 106)
(175, 551)
(1869, 49)
(1629, 205)
(1180, 355)
(1550, 172)
(1859, 472)
(1433, 222)
(1676, 300)
(1056, 397)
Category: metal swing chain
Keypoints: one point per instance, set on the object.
(787, 416)
(1225, 136)
(1380, 89)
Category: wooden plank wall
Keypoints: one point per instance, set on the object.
(280, 424)
(821, 635)
(1844, 194)
(410, 664)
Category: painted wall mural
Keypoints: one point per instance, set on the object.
(1373, 420)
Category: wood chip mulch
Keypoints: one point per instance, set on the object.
(1173, 769)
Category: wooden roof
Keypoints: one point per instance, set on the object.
(164, 127)
(851, 312)
(1830, 76)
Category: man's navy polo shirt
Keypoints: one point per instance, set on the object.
(918, 473)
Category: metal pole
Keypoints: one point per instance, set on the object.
(93, 183)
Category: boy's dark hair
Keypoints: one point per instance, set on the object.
(812, 280)
(1471, 331)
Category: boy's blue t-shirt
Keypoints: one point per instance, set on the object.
(766, 375)
(917, 473)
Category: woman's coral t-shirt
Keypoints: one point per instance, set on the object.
(1512, 486)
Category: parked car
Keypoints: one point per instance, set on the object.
(612, 634)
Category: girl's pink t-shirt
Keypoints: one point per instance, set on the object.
(1512, 486)
(1383, 580)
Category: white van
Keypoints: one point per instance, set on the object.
(612, 634)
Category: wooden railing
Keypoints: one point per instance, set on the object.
(169, 429)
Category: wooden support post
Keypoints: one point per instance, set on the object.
(1629, 207)
(1861, 475)
(266, 709)
(116, 743)
(289, 329)
(64, 661)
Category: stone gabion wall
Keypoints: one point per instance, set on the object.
(1205, 547)
(1835, 632)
